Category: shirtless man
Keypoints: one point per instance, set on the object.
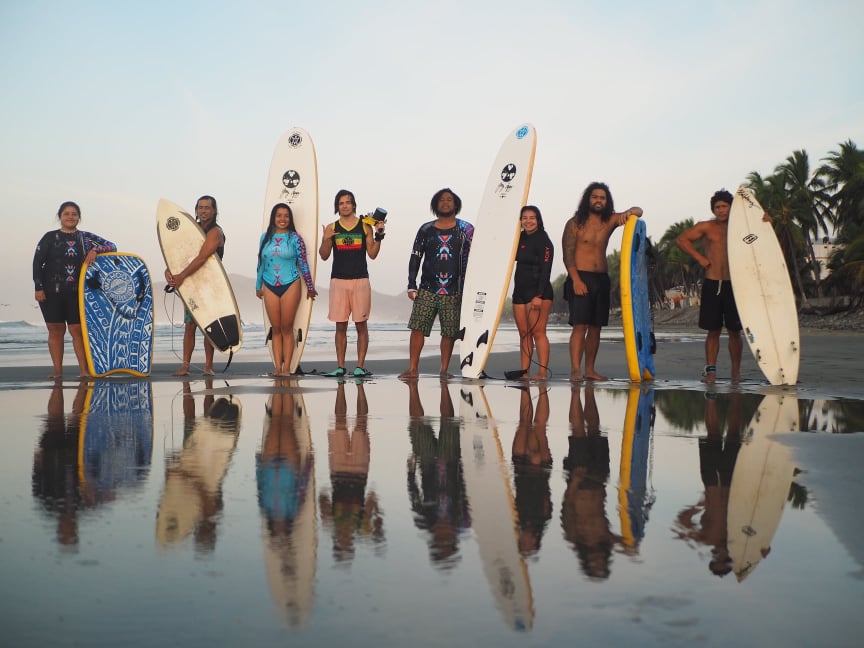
(717, 306)
(587, 287)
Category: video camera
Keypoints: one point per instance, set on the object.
(373, 218)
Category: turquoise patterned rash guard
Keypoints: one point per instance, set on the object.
(282, 260)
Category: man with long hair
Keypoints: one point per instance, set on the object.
(587, 287)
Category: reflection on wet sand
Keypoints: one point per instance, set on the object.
(438, 499)
(285, 475)
(634, 498)
(191, 502)
(532, 467)
(583, 509)
(88, 457)
(493, 511)
(761, 483)
(348, 511)
(717, 456)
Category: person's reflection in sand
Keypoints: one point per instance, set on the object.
(439, 501)
(532, 463)
(583, 511)
(716, 464)
(285, 476)
(55, 465)
(192, 500)
(348, 511)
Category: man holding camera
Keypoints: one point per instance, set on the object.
(350, 239)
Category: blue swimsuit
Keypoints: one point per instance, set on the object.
(281, 261)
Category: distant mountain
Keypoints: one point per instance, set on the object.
(385, 308)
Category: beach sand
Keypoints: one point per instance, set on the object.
(831, 365)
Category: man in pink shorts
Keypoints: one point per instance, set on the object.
(350, 240)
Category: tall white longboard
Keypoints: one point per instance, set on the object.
(493, 510)
(493, 248)
(760, 483)
(207, 293)
(763, 290)
(293, 180)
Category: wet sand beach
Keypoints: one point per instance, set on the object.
(831, 365)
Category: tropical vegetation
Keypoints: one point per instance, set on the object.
(809, 204)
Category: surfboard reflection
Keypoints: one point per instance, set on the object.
(761, 483)
(285, 475)
(94, 454)
(634, 497)
(191, 503)
(493, 510)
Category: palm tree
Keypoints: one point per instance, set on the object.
(844, 178)
(674, 266)
(772, 195)
(809, 203)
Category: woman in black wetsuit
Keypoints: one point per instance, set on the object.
(56, 269)
(532, 291)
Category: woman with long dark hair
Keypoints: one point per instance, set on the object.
(281, 261)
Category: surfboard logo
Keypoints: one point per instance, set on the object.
(290, 179)
(522, 132)
(745, 196)
(508, 172)
(750, 239)
(172, 224)
(295, 140)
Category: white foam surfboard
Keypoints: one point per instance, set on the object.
(763, 290)
(494, 518)
(760, 483)
(293, 180)
(493, 248)
(207, 293)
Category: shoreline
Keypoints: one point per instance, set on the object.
(829, 367)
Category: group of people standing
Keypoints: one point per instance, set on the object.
(439, 255)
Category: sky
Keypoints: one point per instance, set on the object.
(116, 105)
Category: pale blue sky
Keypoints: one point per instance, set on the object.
(115, 105)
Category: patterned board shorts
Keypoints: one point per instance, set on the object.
(427, 305)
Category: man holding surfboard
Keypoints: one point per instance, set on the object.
(587, 287)
(717, 304)
(350, 240)
(442, 247)
(214, 243)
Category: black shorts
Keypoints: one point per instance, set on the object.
(717, 461)
(524, 294)
(60, 305)
(717, 307)
(593, 308)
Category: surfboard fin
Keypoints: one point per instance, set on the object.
(483, 339)
(224, 332)
(468, 361)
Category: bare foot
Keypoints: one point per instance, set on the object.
(409, 375)
(594, 376)
(540, 377)
(575, 376)
(736, 379)
(446, 376)
(209, 372)
(182, 371)
(56, 376)
(709, 378)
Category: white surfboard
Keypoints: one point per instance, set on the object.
(763, 290)
(494, 518)
(293, 180)
(760, 483)
(207, 293)
(290, 554)
(493, 248)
